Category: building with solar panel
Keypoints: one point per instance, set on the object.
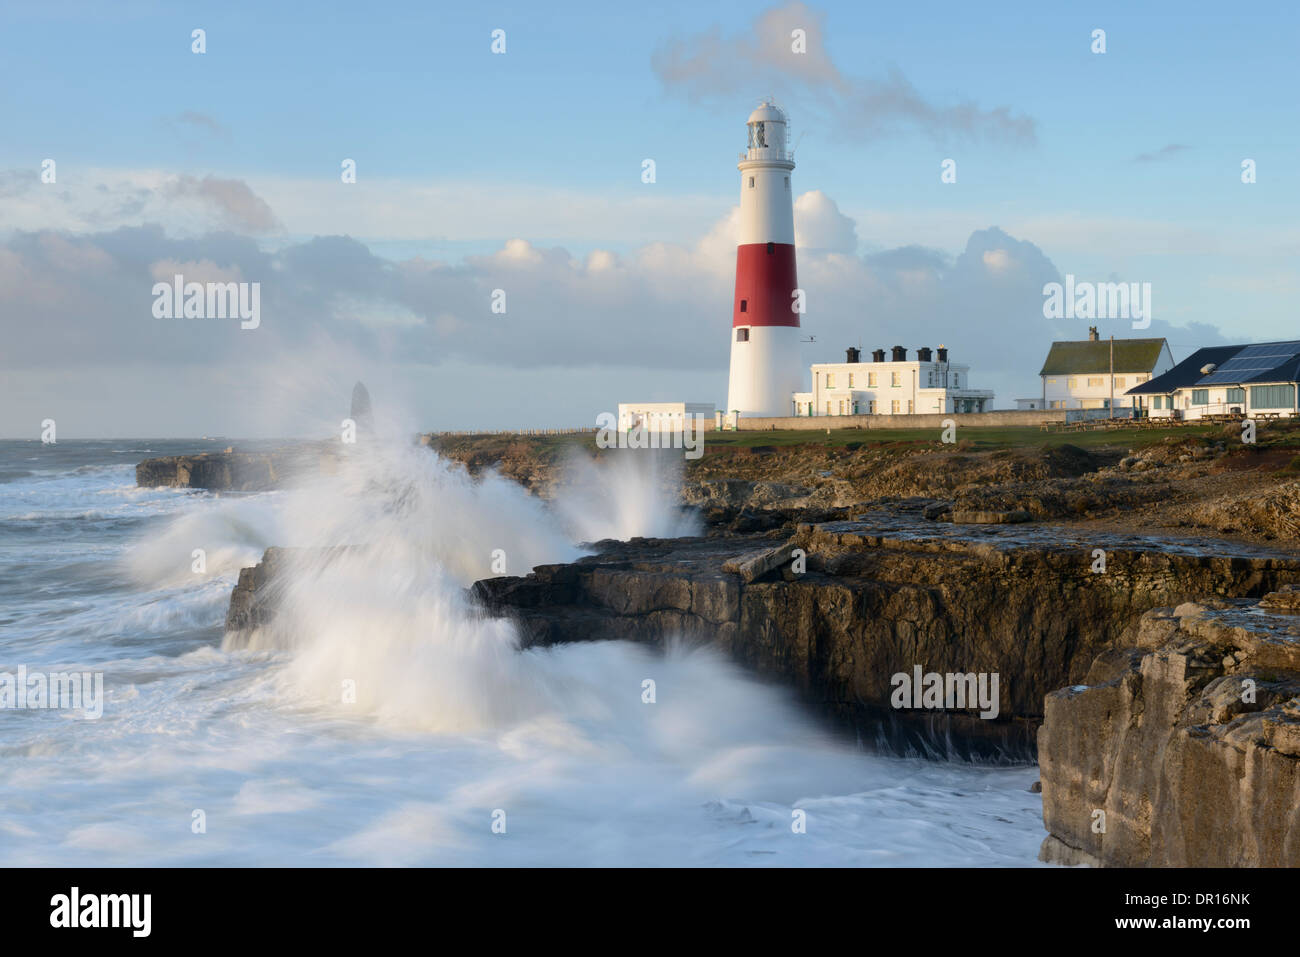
(1256, 380)
(1097, 373)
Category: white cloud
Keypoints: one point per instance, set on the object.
(997, 260)
(75, 310)
(819, 225)
(203, 271)
(718, 65)
(88, 200)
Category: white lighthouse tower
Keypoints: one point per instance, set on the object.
(765, 368)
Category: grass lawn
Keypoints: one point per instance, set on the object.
(1270, 435)
(992, 437)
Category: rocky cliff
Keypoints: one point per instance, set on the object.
(1182, 747)
(881, 596)
(862, 601)
(236, 471)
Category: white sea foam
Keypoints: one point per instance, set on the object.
(451, 721)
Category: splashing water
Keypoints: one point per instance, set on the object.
(451, 721)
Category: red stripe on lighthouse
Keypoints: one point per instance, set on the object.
(765, 285)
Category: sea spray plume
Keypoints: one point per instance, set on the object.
(374, 621)
(231, 532)
(373, 612)
(623, 494)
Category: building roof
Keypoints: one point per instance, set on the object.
(1233, 365)
(1090, 357)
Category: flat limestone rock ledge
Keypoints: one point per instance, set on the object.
(236, 471)
(990, 518)
(881, 595)
(1187, 741)
(757, 564)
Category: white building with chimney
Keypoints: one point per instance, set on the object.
(1097, 373)
(894, 386)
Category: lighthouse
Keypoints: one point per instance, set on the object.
(765, 368)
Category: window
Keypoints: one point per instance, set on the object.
(787, 182)
(1073, 383)
(1236, 395)
(1119, 382)
(909, 406)
(871, 407)
(742, 335)
(841, 407)
(744, 305)
(1200, 397)
(850, 380)
(771, 248)
(1051, 382)
(1094, 381)
(1158, 402)
(828, 407)
(893, 406)
(1272, 397)
(1141, 378)
(751, 182)
(871, 380)
(894, 380)
(830, 380)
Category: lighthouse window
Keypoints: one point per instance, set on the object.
(787, 182)
(751, 182)
(744, 305)
(742, 335)
(771, 248)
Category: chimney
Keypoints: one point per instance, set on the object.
(923, 353)
(852, 355)
(878, 355)
(900, 354)
(943, 354)
(1092, 334)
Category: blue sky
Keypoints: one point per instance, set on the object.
(545, 143)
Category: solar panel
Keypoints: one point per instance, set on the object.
(1253, 361)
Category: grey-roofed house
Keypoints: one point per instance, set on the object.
(1096, 373)
(1261, 377)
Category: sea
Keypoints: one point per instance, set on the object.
(385, 721)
